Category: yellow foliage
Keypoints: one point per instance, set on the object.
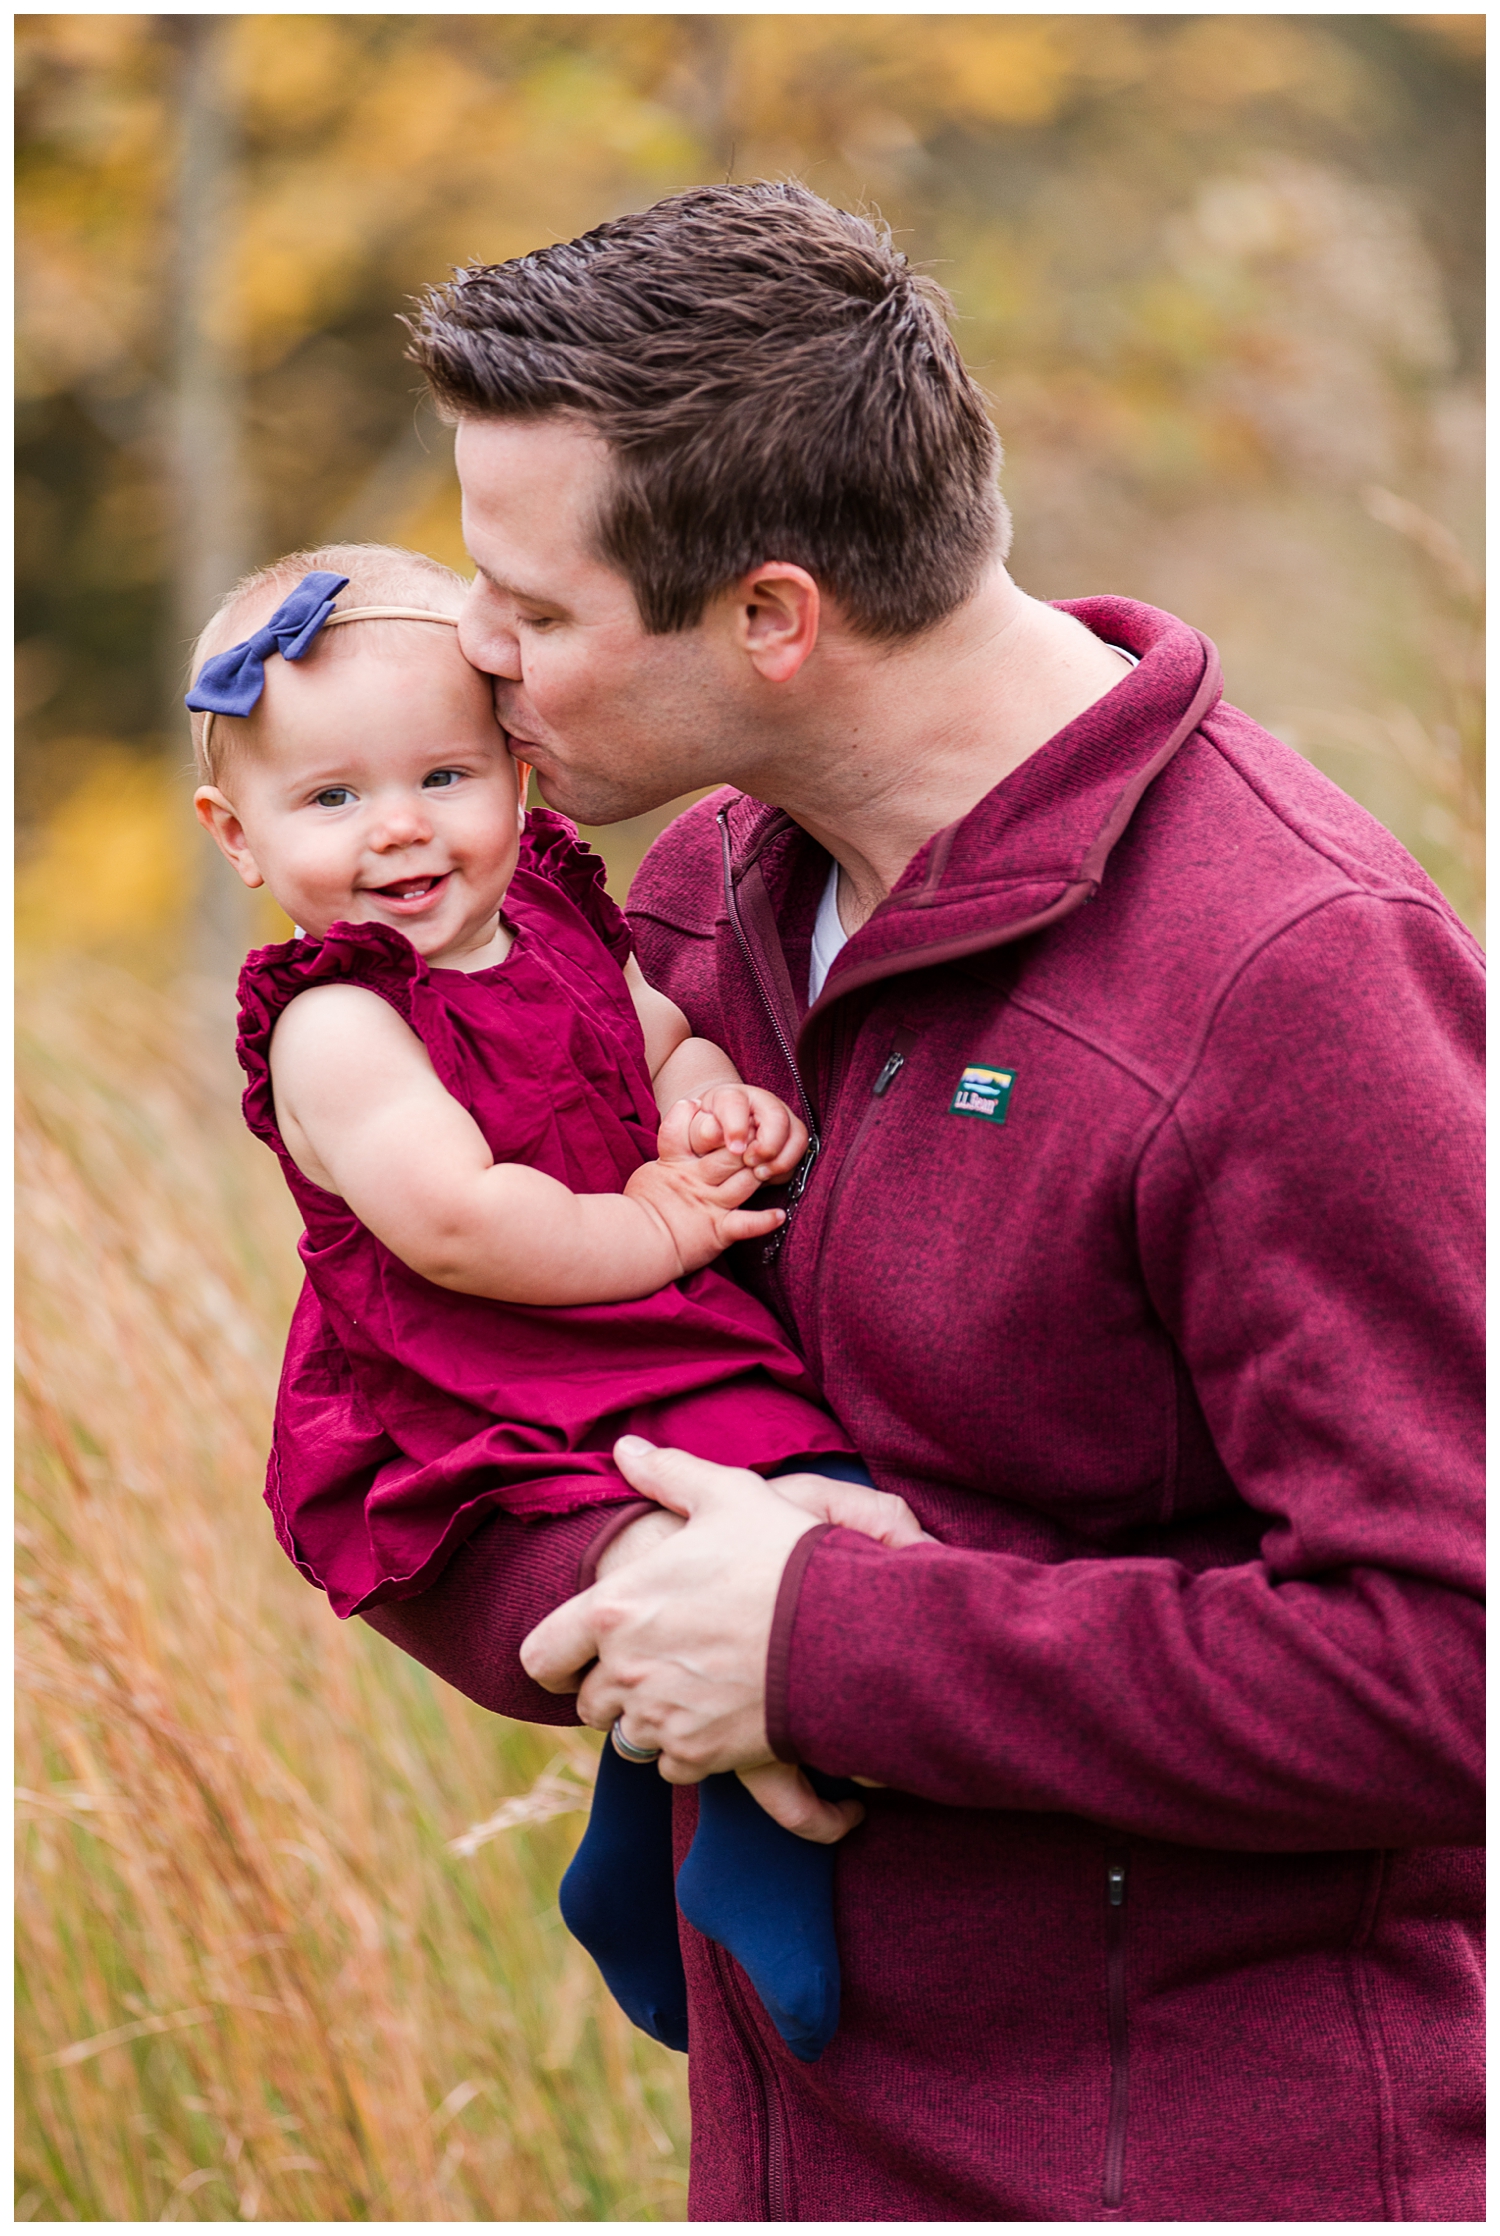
(118, 859)
(119, 867)
(1220, 62)
(1021, 69)
(436, 527)
(1194, 261)
(294, 76)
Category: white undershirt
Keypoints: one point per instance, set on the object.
(829, 936)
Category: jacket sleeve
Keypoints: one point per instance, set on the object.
(468, 1625)
(1308, 1220)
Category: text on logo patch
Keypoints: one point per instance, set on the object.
(983, 1092)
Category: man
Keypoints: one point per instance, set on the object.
(1138, 1252)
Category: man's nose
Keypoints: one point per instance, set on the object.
(487, 635)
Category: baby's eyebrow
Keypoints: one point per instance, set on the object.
(317, 780)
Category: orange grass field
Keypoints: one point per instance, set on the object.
(263, 1974)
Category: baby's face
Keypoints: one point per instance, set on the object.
(378, 790)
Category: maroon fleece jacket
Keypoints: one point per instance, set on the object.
(1166, 1322)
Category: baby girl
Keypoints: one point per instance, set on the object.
(516, 1164)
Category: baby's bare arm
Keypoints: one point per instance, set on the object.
(751, 1121)
(364, 1115)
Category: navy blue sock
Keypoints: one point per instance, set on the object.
(825, 1463)
(617, 1898)
(747, 1883)
(767, 1897)
(763, 1894)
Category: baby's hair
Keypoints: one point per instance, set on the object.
(379, 575)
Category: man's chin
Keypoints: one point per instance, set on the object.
(589, 800)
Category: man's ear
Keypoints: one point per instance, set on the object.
(221, 820)
(776, 612)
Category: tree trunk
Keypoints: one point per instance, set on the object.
(214, 540)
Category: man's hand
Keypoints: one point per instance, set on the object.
(752, 1122)
(680, 1635)
(681, 1630)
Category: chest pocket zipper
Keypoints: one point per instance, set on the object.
(1119, 2038)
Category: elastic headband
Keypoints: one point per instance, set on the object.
(232, 682)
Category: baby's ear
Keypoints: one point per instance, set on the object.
(523, 784)
(220, 819)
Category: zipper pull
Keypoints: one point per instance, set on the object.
(888, 1071)
(1117, 1886)
(773, 1242)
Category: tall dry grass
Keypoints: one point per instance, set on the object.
(263, 1974)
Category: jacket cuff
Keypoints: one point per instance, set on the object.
(779, 1651)
(620, 1519)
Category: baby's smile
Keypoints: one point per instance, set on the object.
(411, 895)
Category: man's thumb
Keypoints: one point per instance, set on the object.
(676, 1479)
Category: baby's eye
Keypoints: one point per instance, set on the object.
(334, 796)
(441, 780)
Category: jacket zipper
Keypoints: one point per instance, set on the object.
(885, 1079)
(773, 2129)
(1119, 2041)
(804, 1170)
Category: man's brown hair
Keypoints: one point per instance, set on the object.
(775, 382)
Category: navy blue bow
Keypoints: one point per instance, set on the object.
(232, 681)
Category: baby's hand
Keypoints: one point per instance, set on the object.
(700, 1202)
(753, 1123)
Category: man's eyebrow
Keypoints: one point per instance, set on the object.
(513, 589)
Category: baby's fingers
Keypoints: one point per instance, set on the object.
(785, 1794)
(675, 1134)
(746, 1226)
(780, 1143)
(704, 1133)
(731, 1106)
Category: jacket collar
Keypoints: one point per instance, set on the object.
(1037, 846)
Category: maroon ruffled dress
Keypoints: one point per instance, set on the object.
(407, 1412)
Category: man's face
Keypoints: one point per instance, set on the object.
(614, 721)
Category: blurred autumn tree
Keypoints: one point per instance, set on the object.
(1219, 273)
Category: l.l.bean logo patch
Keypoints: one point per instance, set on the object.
(983, 1092)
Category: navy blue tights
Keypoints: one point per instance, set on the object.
(758, 1890)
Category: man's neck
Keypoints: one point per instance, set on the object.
(893, 744)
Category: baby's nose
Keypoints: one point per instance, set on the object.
(400, 824)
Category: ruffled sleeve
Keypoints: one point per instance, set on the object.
(369, 955)
(551, 848)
